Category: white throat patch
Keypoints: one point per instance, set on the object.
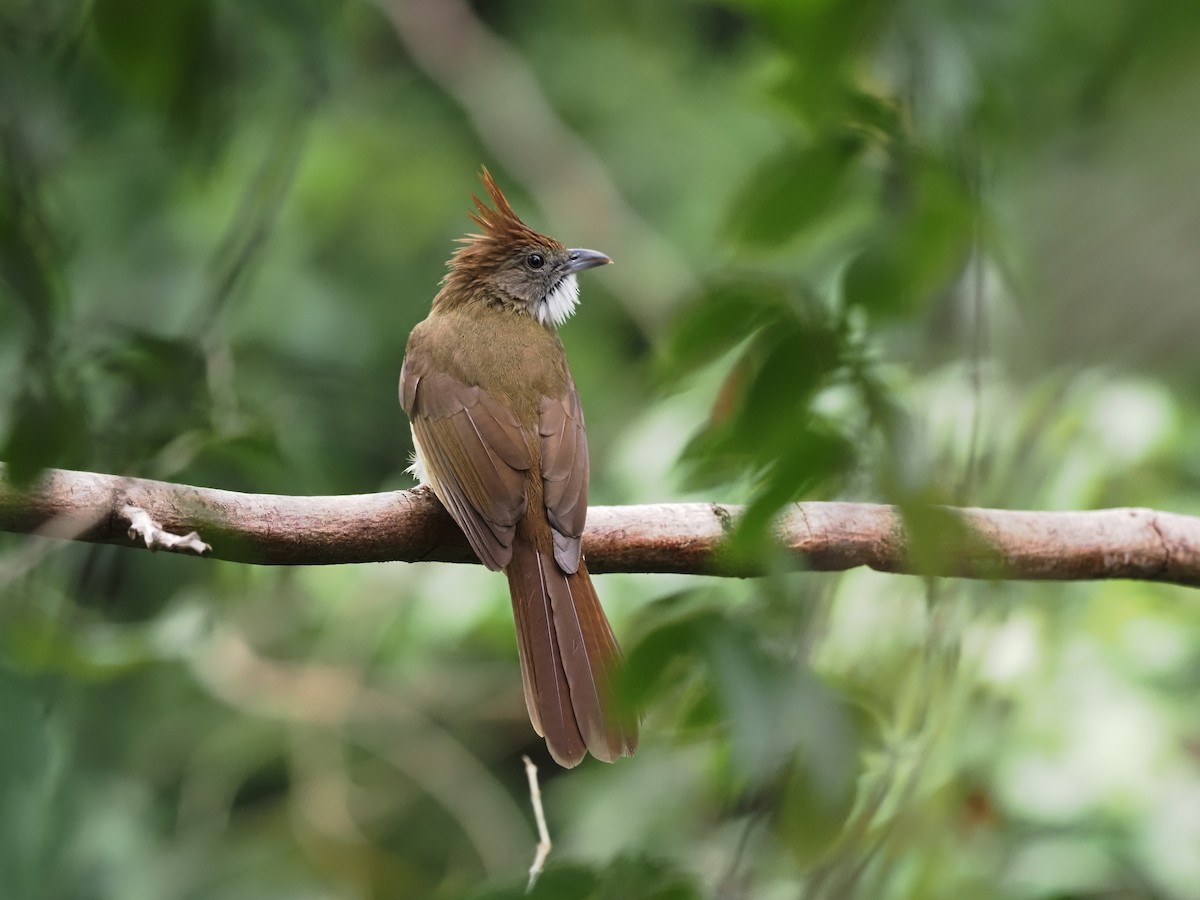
(558, 305)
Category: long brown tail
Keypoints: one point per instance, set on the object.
(568, 654)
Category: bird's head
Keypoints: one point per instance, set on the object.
(511, 264)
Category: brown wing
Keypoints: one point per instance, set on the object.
(475, 453)
(565, 475)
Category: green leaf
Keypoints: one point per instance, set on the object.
(920, 247)
(47, 427)
(638, 877)
(166, 55)
(823, 41)
(938, 533)
(719, 319)
(30, 254)
(661, 658)
(645, 877)
(789, 193)
(24, 741)
(763, 424)
(814, 808)
(773, 707)
(794, 360)
(817, 456)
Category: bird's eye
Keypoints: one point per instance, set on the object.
(535, 260)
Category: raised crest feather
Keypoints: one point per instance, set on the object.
(502, 229)
(503, 215)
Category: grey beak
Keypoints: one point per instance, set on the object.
(578, 260)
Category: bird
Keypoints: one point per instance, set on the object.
(498, 434)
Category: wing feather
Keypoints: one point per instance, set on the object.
(475, 453)
(565, 474)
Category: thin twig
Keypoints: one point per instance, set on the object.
(336, 700)
(977, 273)
(543, 845)
(728, 883)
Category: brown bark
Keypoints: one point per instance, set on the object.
(411, 526)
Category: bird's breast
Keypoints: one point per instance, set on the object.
(510, 355)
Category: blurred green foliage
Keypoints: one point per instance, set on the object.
(915, 251)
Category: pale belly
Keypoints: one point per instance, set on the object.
(417, 469)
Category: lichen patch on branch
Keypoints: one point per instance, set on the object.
(158, 538)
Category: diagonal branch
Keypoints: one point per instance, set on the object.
(511, 114)
(411, 526)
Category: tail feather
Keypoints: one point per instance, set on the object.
(568, 654)
(547, 693)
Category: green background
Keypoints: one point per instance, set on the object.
(907, 251)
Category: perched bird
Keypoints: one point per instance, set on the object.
(499, 436)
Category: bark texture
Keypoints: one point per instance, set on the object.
(412, 526)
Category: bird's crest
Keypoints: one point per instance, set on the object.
(503, 230)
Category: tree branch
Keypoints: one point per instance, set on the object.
(271, 529)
